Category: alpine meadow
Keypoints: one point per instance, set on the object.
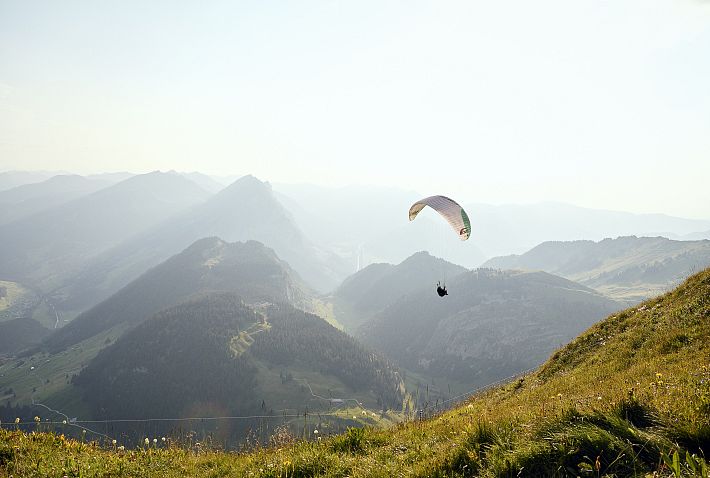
(354, 239)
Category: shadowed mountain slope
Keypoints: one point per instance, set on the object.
(491, 325)
(216, 350)
(19, 334)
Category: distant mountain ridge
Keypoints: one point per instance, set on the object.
(695, 236)
(28, 199)
(46, 248)
(368, 224)
(376, 229)
(245, 210)
(516, 227)
(204, 181)
(629, 268)
(13, 179)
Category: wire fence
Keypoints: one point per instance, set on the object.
(223, 429)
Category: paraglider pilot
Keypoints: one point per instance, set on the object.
(454, 215)
(441, 290)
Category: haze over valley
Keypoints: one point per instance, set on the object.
(136, 264)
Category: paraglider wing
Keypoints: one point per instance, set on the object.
(449, 209)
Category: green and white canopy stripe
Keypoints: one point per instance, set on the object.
(449, 209)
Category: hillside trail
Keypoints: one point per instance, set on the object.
(241, 342)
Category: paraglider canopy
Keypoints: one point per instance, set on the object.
(454, 215)
(449, 210)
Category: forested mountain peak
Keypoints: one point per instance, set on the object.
(215, 349)
(492, 324)
(423, 259)
(379, 285)
(210, 264)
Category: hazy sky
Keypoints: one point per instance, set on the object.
(599, 103)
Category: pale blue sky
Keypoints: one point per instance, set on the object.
(598, 103)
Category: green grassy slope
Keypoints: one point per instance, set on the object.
(629, 397)
(46, 378)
